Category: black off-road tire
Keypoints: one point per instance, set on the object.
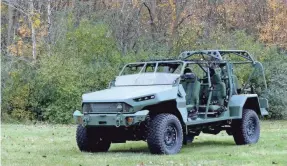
(246, 130)
(89, 140)
(165, 135)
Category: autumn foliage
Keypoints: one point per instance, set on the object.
(79, 45)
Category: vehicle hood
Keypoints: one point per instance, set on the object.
(123, 93)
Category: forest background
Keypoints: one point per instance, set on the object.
(53, 51)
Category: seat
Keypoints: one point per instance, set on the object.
(217, 85)
(218, 93)
(191, 85)
(219, 89)
(237, 85)
(224, 75)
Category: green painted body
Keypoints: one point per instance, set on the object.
(179, 96)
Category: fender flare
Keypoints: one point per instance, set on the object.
(238, 103)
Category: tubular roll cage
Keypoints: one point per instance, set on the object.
(219, 54)
(217, 57)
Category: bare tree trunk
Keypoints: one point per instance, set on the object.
(33, 33)
(151, 15)
(10, 24)
(178, 8)
(49, 27)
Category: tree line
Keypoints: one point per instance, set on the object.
(53, 51)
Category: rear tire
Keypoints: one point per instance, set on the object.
(247, 129)
(165, 135)
(88, 140)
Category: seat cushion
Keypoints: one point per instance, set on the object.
(212, 108)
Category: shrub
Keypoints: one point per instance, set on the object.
(276, 70)
(17, 87)
(87, 58)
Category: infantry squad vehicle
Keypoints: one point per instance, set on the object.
(168, 102)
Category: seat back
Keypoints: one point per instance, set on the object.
(192, 88)
(237, 85)
(219, 89)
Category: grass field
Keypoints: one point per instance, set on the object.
(55, 145)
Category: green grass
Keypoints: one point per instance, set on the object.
(55, 145)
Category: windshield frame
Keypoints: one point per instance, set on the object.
(176, 65)
(156, 67)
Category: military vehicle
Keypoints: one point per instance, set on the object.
(168, 102)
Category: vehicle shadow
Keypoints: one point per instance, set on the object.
(131, 150)
(193, 145)
(196, 144)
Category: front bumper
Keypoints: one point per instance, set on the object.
(117, 120)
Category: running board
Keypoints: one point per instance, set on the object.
(208, 113)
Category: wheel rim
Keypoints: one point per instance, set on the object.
(170, 136)
(251, 127)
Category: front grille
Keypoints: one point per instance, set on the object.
(100, 107)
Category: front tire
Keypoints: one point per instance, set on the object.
(89, 140)
(165, 134)
(246, 130)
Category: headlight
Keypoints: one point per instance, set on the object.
(123, 107)
(119, 107)
(144, 98)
